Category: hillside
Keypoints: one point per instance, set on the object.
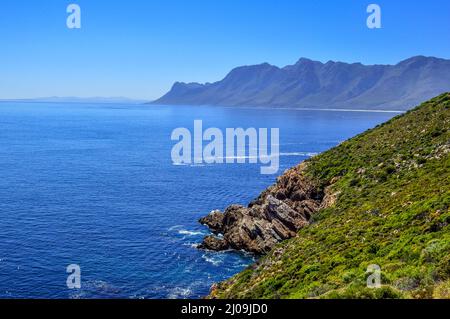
(391, 188)
(312, 84)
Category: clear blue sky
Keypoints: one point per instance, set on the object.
(138, 48)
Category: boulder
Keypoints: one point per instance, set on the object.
(214, 221)
(214, 243)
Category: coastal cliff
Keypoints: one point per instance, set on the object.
(381, 198)
(276, 215)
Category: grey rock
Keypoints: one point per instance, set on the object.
(267, 220)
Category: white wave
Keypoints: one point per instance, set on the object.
(190, 233)
(309, 154)
(95, 288)
(179, 292)
(175, 227)
(244, 157)
(192, 245)
(216, 260)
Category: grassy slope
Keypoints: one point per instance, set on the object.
(392, 210)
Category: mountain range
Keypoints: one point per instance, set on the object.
(313, 84)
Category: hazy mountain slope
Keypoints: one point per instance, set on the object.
(315, 84)
(391, 207)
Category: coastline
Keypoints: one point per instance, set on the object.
(362, 186)
(283, 108)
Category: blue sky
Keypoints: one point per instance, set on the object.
(138, 48)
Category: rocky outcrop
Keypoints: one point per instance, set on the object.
(214, 243)
(214, 221)
(276, 215)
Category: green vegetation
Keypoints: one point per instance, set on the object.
(392, 209)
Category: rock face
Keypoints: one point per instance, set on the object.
(276, 215)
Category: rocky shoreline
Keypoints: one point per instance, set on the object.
(276, 215)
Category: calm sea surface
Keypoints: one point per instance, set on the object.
(94, 185)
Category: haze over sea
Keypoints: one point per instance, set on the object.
(94, 185)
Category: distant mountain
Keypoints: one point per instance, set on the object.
(312, 84)
(57, 99)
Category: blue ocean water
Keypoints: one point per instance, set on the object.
(94, 185)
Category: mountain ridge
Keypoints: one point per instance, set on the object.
(313, 84)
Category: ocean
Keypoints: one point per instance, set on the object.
(94, 185)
